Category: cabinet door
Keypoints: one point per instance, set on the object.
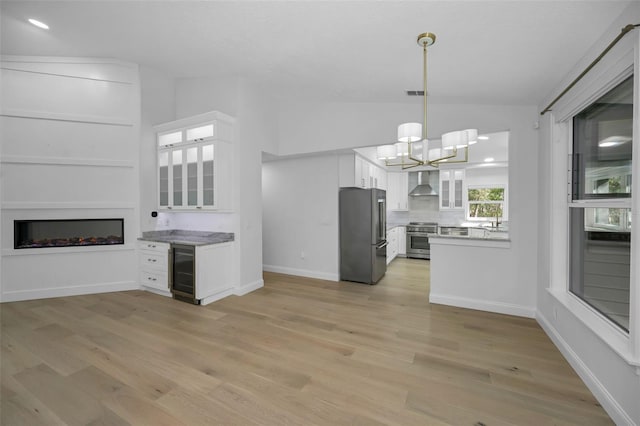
(458, 183)
(366, 177)
(445, 189)
(191, 181)
(403, 191)
(392, 191)
(177, 167)
(451, 189)
(398, 191)
(163, 178)
(382, 179)
(402, 240)
(358, 172)
(208, 175)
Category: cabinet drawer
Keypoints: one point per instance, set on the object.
(150, 259)
(154, 279)
(153, 246)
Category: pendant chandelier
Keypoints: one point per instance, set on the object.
(413, 148)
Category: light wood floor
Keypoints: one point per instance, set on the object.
(299, 351)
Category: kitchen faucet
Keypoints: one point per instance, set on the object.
(497, 218)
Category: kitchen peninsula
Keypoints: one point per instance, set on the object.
(468, 271)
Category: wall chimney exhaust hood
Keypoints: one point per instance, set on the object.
(426, 183)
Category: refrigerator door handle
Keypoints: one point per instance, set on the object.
(382, 245)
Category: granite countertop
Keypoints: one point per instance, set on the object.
(477, 234)
(390, 226)
(193, 238)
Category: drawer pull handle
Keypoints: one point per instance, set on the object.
(151, 260)
(151, 245)
(151, 279)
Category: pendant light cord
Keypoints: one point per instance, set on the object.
(624, 31)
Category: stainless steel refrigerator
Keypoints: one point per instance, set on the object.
(363, 234)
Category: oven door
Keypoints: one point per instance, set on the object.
(418, 245)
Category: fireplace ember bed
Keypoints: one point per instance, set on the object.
(67, 233)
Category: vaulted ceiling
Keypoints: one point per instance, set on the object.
(493, 52)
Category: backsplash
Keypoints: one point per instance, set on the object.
(196, 221)
(426, 209)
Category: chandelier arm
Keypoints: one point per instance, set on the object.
(455, 154)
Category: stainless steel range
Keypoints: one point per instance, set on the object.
(418, 239)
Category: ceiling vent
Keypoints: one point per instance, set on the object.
(415, 92)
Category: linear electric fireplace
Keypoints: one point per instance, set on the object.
(67, 233)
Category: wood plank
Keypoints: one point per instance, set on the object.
(298, 351)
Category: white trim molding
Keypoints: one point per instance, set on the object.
(62, 116)
(243, 289)
(301, 272)
(46, 293)
(86, 162)
(608, 402)
(483, 305)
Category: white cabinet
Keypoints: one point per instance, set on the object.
(153, 266)
(362, 173)
(357, 171)
(378, 177)
(214, 274)
(402, 240)
(392, 246)
(451, 189)
(194, 163)
(398, 191)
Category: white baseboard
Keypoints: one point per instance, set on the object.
(301, 272)
(165, 293)
(483, 305)
(217, 296)
(46, 293)
(248, 288)
(610, 405)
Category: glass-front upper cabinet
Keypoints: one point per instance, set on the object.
(195, 163)
(451, 189)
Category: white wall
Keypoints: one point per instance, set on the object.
(613, 381)
(300, 216)
(255, 130)
(158, 106)
(70, 129)
(478, 275)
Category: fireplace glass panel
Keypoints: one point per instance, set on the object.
(67, 233)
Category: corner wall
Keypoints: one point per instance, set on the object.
(300, 216)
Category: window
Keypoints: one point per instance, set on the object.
(600, 204)
(485, 202)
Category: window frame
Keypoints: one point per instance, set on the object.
(504, 202)
(620, 63)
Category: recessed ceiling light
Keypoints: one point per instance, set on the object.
(39, 24)
(489, 159)
(483, 138)
(613, 141)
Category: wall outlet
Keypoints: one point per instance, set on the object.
(302, 254)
